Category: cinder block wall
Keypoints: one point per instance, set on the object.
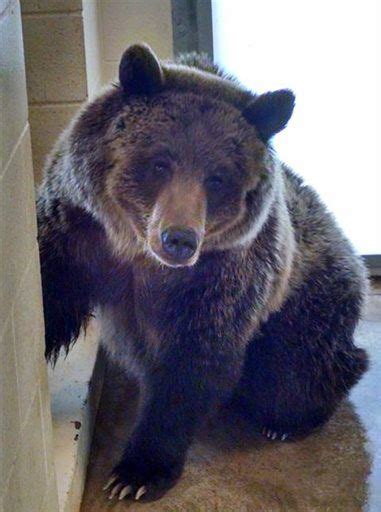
(125, 22)
(55, 69)
(27, 476)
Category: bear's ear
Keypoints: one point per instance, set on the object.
(140, 71)
(270, 112)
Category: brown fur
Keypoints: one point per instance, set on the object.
(263, 310)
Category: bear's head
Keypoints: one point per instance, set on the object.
(174, 161)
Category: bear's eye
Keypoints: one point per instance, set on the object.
(120, 125)
(214, 183)
(161, 167)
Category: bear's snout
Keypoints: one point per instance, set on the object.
(179, 243)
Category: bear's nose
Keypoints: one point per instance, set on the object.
(180, 243)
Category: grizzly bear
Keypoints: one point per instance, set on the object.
(218, 275)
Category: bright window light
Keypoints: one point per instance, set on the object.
(329, 54)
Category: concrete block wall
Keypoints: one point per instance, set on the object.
(27, 476)
(55, 68)
(125, 22)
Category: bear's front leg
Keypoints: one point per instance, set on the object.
(192, 378)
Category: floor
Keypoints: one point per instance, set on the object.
(231, 469)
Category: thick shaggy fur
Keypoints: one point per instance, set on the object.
(265, 312)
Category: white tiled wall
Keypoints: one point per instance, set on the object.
(27, 477)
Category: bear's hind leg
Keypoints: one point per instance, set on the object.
(288, 395)
(302, 365)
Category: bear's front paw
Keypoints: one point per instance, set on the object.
(145, 477)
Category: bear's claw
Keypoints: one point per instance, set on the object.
(115, 490)
(127, 489)
(109, 482)
(121, 491)
(141, 491)
(272, 434)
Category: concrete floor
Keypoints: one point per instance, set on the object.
(231, 469)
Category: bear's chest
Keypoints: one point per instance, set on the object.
(155, 290)
(135, 327)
